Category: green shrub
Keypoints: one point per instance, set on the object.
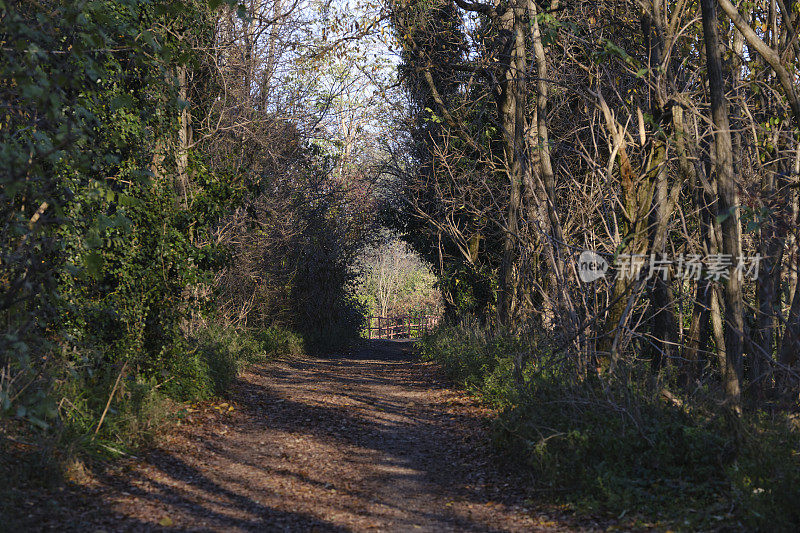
(474, 357)
(275, 340)
(217, 355)
(195, 369)
(185, 373)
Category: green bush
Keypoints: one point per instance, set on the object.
(215, 355)
(275, 340)
(621, 446)
(203, 366)
(473, 356)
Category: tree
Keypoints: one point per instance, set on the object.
(543, 133)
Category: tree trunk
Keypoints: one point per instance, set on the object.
(790, 345)
(696, 342)
(666, 329)
(184, 138)
(727, 199)
(511, 109)
(542, 185)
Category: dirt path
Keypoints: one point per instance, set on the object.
(373, 441)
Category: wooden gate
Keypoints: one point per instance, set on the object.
(400, 327)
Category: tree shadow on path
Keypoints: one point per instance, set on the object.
(371, 440)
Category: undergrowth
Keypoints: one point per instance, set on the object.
(138, 411)
(625, 447)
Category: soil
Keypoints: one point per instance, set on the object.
(373, 440)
